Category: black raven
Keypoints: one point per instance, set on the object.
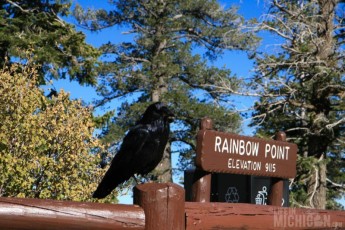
(141, 150)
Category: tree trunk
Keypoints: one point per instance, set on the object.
(316, 186)
(164, 168)
(163, 171)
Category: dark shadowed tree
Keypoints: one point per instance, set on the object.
(35, 30)
(167, 59)
(301, 82)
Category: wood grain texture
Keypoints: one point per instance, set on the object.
(163, 205)
(259, 217)
(17, 213)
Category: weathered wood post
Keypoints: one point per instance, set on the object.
(276, 195)
(163, 204)
(201, 188)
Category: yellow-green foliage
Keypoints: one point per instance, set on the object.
(45, 144)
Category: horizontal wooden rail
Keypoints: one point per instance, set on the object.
(250, 216)
(162, 207)
(16, 213)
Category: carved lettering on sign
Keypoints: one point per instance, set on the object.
(231, 153)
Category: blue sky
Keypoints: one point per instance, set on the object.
(237, 61)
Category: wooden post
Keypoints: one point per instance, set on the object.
(275, 197)
(206, 123)
(201, 188)
(163, 205)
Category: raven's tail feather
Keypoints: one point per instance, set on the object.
(101, 192)
(110, 181)
(107, 185)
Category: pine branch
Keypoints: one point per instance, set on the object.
(18, 6)
(335, 184)
(331, 126)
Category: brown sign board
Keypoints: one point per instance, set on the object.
(231, 153)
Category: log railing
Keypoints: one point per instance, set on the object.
(162, 207)
(25, 214)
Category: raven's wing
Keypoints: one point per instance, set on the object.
(123, 165)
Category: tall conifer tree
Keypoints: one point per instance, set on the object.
(302, 87)
(35, 30)
(167, 60)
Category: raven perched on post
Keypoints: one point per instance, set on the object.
(141, 150)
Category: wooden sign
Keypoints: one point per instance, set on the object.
(232, 153)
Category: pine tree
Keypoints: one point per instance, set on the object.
(302, 87)
(37, 26)
(164, 62)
